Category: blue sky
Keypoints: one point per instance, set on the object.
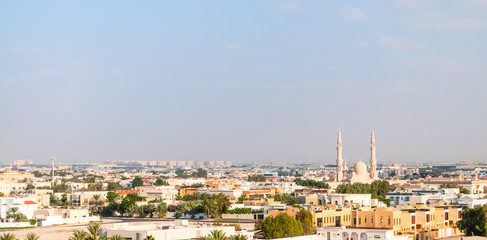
(248, 81)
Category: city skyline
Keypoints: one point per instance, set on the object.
(245, 81)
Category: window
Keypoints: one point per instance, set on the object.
(381, 220)
(460, 214)
(428, 218)
(372, 220)
(389, 221)
(413, 219)
(359, 220)
(446, 216)
(365, 219)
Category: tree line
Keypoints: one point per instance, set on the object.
(378, 189)
(312, 183)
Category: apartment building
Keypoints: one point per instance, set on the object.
(419, 221)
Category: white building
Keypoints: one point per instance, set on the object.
(47, 217)
(337, 233)
(179, 229)
(340, 199)
(25, 206)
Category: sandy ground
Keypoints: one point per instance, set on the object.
(63, 232)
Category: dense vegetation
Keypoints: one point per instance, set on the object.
(127, 206)
(200, 173)
(284, 225)
(256, 178)
(311, 183)
(378, 189)
(211, 205)
(161, 182)
(474, 221)
(285, 198)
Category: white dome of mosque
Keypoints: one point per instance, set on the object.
(360, 168)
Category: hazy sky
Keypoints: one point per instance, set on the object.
(248, 81)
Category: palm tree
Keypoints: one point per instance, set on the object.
(161, 210)
(96, 202)
(94, 230)
(149, 237)
(215, 235)
(150, 209)
(8, 236)
(79, 235)
(13, 213)
(32, 236)
(68, 204)
(132, 210)
(117, 237)
(239, 237)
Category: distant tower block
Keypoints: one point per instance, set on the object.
(339, 177)
(52, 180)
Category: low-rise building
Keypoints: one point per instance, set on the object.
(179, 229)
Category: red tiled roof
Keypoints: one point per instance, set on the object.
(29, 202)
(128, 191)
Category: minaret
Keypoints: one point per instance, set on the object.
(339, 158)
(52, 179)
(373, 160)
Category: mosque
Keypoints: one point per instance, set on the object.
(360, 173)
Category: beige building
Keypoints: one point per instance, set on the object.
(83, 199)
(417, 221)
(10, 176)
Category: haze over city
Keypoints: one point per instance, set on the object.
(248, 81)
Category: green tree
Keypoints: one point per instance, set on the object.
(161, 210)
(280, 226)
(54, 200)
(31, 236)
(285, 198)
(200, 173)
(132, 210)
(8, 236)
(311, 183)
(256, 178)
(216, 205)
(242, 198)
(96, 202)
(111, 197)
(94, 230)
(137, 182)
(306, 219)
(474, 221)
(149, 209)
(112, 186)
(16, 215)
(149, 237)
(161, 182)
(79, 235)
(464, 190)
